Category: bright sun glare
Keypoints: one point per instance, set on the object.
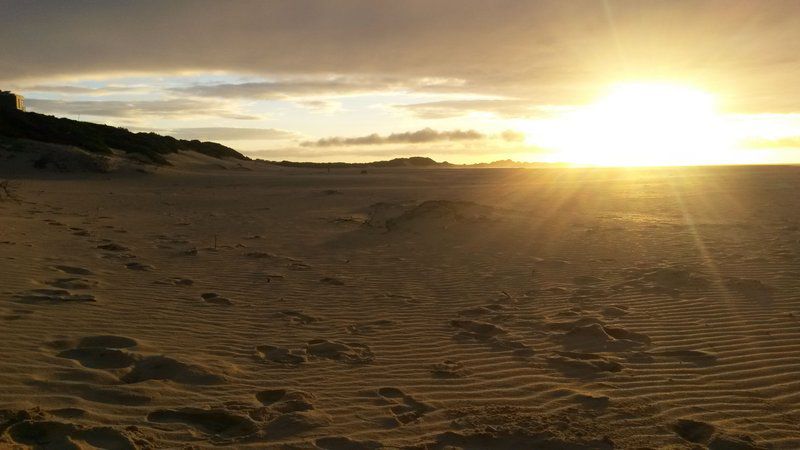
(640, 124)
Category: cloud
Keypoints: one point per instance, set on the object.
(512, 136)
(548, 51)
(132, 109)
(77, 90)
(792, 142)
(276, 90)
(426, 135)
(455, 108)
(231, 133)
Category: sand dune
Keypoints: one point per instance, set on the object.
(241, 305)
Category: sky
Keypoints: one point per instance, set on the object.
(458, 80)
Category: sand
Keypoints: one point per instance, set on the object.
(252, 306)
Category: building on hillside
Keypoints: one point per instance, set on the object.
(9, 100)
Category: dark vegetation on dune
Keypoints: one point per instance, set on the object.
(101, 139)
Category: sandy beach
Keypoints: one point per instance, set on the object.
(237, 304)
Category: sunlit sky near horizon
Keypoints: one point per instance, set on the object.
(598, 82)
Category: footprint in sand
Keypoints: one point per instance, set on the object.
(72, 283)
(592, 401)
(14, 314)
(750, 288)
(216, 299)
(36, 429)
(405, 299)
(73, 270)
(76, 231)
(523, 438)
(218, 422)
(671, 279)
(695, 357)
(92, 392)
(588, 293)
(587, 280)
(99, 352)
(298, 266)
(345, 443)
(289, 412)
(100, 357)
(332, 281)
(595, 337)
(346, 352)
(113, 247)
(495, 311)
(589, 334)
(294, 423)
(614, 311)
(139, 266)
(286, 401)
(583, 365)
(694, 431)
(54, 296)
(707, 435)
(368, 326)
(113, 352)
(477, 330)
(404, 408)
(175, 281)
(296, 317)
(68, 413)
(165, 368)
(281, 355)
(493, 335)
(449, 369)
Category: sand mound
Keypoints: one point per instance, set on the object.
(427, 216)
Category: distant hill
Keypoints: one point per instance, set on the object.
(413, 161)
(511, 164)
(416, 161)
(101, 139)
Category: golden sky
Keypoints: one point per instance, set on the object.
(599, 82)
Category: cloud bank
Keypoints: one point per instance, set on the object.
(231, 134)
(543, 52)
(423, 136)
(134, 109)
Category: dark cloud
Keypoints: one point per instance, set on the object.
(132, 109)
(549, 51)
(275, 90)
(426, 135)
(72, 90)
(231, 133)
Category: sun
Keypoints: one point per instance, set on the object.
(640, 124)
